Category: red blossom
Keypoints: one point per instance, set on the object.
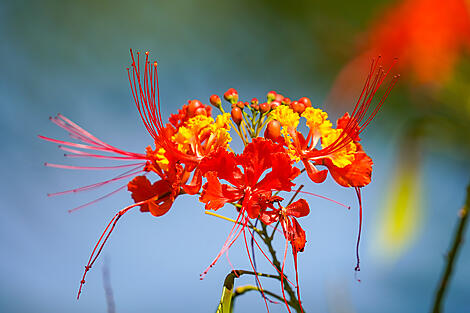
(248, 188)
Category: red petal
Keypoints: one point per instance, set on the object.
(269, 217)
(282, 174)
(357, 174)
(299, 208)
(257, 158)
(313, 173)
(215, 195)
(193, 187)
(143, 190)
(298, 239)
(224, 163)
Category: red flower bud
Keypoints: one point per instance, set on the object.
(297, 107)
(231, 95)
(215, 101)
(306, 102)
(265, 107)
(275, 104)
(254, 101)
(200, 111)
(271, 96)
(240, 104)
(279, 97)
(193, 105)
(286, 101)
(273, 130)
(237, 115)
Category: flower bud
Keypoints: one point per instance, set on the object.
(193, 105)
(286, 101)
(237, 115)
(306, 102)
(240, 104)
(215, 101)
(297, 107)
(271, 96)
(275, 104)
(200, 111)
(231, 95)
(279, 97)
(254, 101)
(273, 130)
(265, 107)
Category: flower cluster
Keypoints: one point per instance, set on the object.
(191, 154)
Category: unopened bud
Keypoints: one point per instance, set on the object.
(193, 105)
(215, 101)
(306, 102)
(237, 115)
(275, 104)
(279, 97)
(286, 101)
(271, 95)
(265, 107)
(231, 95)
(240, 104)
(273, 130)
(297, 107)
(200, 111)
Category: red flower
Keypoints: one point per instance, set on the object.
(247, 188)
(293, 232)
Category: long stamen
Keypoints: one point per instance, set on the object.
(72, 167)
(127, 174)
(358, 193)
(253, 267)
(234, 233)
(325, 198)
(101, 242)
(97, 200)
(282, 276)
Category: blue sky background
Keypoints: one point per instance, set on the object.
(70, 57)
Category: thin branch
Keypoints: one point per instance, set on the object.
(452, 255)
(243, 289)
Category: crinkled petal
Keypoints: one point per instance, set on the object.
(357, 174)
(281, 175)
(257, 158)
(224, 163)
(160, 192)
(215, 195)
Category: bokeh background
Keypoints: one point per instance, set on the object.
(71, 57)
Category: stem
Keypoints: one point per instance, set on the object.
(243, 289)
(225, 305)
(293, 301)
(452, 255)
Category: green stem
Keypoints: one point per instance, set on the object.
(225, 305)
(243, 289)
(293, 301)
(452, 255)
